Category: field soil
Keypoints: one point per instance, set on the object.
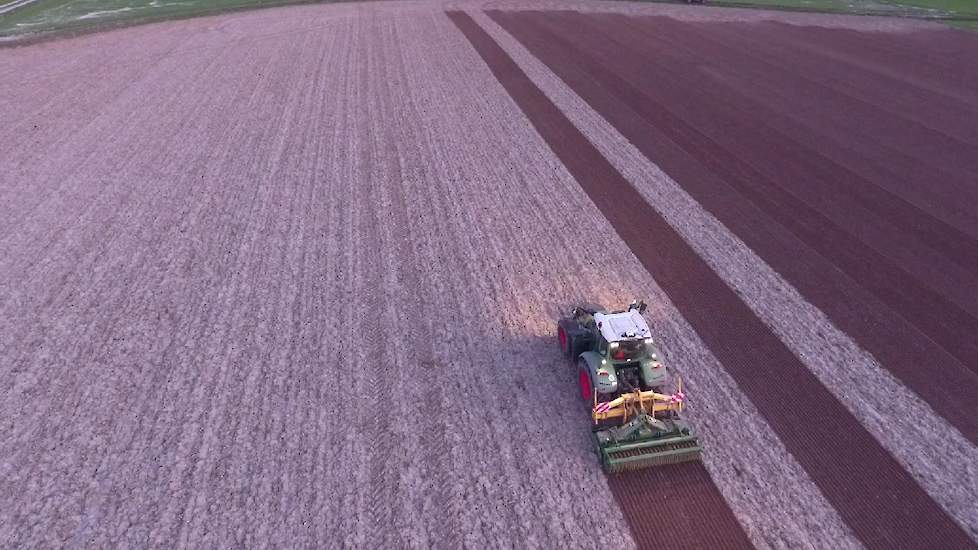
(256, 292)
(655, 80)
(291, 277)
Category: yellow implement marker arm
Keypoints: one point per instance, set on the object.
(627, 405)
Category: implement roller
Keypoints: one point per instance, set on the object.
(636, 424)
(649, 431)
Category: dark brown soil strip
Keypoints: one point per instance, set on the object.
(682, 496)
(703, 520)
(841, 166)
(889, 113)
(784, 175)
(877, 498)
(941, 57)
(745, 106)
(921, 106)
(730, 190)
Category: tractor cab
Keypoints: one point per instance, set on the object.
(614, 348)
(624, 341)
(623, 336)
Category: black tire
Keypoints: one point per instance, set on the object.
(568, 338)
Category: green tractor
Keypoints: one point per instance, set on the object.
(620, 372)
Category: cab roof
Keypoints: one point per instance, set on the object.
(622, 326)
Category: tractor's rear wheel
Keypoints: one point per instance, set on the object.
(568, 335)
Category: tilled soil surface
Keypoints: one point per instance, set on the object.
(294, 289)
(290, 278)
(651, 78)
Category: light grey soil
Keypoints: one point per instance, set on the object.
(290, 278)
(292, 288)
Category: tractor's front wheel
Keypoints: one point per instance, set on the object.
(584, 381)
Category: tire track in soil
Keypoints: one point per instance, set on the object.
(378, 489)
(890, 338)
(722, 525)
(249, 382)
(525, 464)
(749, 350)
(428, 298)
(347, 517)
(381, 476)
(343, 516)
(430, 210)
(423, 466)
(489, 429)
(937, 456)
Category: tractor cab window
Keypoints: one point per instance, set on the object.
(624, 350)
(602, 345)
